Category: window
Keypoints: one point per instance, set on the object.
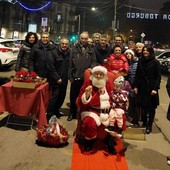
(59, 19)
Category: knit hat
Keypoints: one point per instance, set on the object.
(129, 51)
(99, 69)
(119, 82)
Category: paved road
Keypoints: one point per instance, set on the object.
(149, 154)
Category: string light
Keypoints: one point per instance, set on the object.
(34, 9)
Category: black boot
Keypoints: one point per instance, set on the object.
(111, 143)
(119, 130)
(148, 130)
(89, 144)
(111, 128)
(107, 140)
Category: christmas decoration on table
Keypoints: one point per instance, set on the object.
(54, 134)
(25, 79)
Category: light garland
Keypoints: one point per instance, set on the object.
(34, 9)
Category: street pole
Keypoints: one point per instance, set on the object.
(84, 20)
(79, 17)
(115, 17)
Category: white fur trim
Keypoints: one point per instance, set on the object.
(104, 118)
(93, 115)
(104, 100)
(84, 100)
(99, 69)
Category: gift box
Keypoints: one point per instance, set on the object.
(28, 85)
(25, 79)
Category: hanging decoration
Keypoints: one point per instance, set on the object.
(34, 9)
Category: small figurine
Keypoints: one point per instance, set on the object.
(53, 128)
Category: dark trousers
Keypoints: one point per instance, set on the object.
(148, 115)
(74, 92)
(133, 109)
(57, 99)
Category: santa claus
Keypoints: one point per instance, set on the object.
(94, 103)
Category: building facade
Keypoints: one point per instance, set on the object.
(16, 21)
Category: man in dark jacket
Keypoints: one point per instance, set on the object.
(58, 77)
(102, 49)
(39, 55)
(82, 57)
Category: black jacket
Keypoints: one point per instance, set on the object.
(79, 62)
(58, 66)
(39, 58)
(23, 57)
(102, 54)
(148, 78)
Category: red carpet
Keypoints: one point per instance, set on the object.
(98, 159)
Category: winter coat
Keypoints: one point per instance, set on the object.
(148, 78)
(23, 57)
(118, 63)
(79, 62)
(58, 66)
(101, 53)
(39, 57)
(132, 70)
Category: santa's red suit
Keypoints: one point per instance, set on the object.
(94, 110)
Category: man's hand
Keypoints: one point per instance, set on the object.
(153, 92)
(59, 81)
(71, 80)
(135, 90)
(88, 91)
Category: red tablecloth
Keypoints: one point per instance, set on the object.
(22, 102)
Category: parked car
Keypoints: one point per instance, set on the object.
(163, 56)
(19, 42)
(8, 53)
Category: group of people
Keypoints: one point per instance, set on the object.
(97, 101)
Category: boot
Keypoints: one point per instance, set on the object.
(110, 128)
(111, 148)
(119, 130)
(89, 144)
(148, 129)
(107, 139)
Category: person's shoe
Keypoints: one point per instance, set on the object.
(135, 123)
(89, 145)
(168, 160)
(70, 117)
(148, 130)
(110, 128)
(119, 130)
(112, 150)
(107, 140)
(59, 115)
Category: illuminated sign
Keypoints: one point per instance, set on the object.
(133, 15)
(32, 28)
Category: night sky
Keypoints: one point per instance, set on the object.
(150, 4)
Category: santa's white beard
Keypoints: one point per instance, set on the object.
(99, 83)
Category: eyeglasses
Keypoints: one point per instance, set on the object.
(64, 43)
(45, 37)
